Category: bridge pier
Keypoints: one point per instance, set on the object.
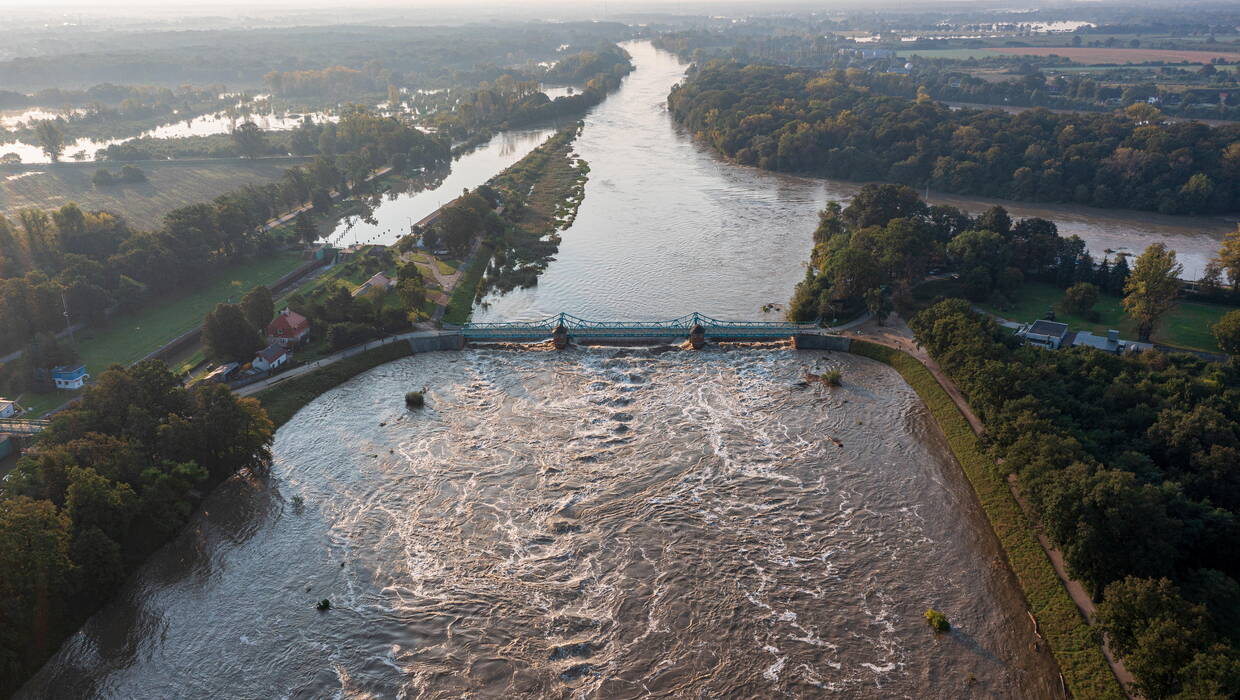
(697, 337)
(559, 337)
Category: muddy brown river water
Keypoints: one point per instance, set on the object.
(601, 523)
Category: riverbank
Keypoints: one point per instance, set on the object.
(283, 400)
(1084, 668)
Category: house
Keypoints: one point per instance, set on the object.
(8, 408)
(1045, 334)
(1108, 343)
(379, 283)
(288, 329)
(70, 377)
(271, 357)
(220, 374)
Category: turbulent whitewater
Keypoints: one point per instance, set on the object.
(595, 523)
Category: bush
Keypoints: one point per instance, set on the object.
(832, 377)
(1227, 332)
(132, 174)
(103, 178)
(414, 399)
(1079, 299)
(938, 621)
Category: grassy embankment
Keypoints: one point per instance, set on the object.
(129, 337)
(143, 205)
(1185, 326)
(1067, 633)
(285, 399)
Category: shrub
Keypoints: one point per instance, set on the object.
(832, 377)
(324, 604)
(1079, 299)
(103, 178)
(132, 174)
(938, 621)
(414, 399)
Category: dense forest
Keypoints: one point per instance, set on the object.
(511, 102)
(115, 476)
(99, 264)
(879, 126)
(1130, 464)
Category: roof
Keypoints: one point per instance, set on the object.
(1098, 341)
(70, 371)
(1053, 329)
(272, 352)
(288, 323)
(379, 281)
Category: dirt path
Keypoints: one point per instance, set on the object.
(895, 333)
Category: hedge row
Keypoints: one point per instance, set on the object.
(1074, 645)
(285, 399)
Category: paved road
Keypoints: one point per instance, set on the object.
(251, 389)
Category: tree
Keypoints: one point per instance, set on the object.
(1227, 332)
(228, 336)
(1228, 257)
(34, 556)
(250, 140)
(305, 229)
(51, 139)
(1079, 299)
(258, 306)
(321, 201)
(1152, 287)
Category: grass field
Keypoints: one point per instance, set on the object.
(1077, 54)
(1186, 326)
(1115, 55)
(143, 205)
(1069, 636)
(129, 337)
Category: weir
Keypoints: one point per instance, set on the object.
(697, 328)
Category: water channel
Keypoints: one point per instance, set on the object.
(600, 522)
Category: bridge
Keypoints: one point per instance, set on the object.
(21, 426)
(683, 327)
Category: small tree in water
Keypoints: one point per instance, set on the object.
(414, 399)
(938, 621)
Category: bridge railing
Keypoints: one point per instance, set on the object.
(22, 426)
(672, 327)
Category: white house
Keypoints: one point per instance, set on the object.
(271, 357)
(8, 408)
(1044, 334)
(70, 377)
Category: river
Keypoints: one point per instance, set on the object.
(598, 523)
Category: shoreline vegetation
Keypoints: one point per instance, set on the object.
(285, 399)
(1071, 640)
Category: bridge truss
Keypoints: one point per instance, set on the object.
(672, 328)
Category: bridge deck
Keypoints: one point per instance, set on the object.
(674, 328)
(21, 426)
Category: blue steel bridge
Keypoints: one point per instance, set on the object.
(21, 426)
(583, 329)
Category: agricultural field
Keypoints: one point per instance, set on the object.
(1081, 54)
(143, 205)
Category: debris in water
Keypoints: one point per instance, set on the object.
(324, 604)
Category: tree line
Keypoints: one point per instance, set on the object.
(1130, 465)
(882, 126)
(113, 478)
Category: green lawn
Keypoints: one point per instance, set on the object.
(1186, 326)
(129, 337)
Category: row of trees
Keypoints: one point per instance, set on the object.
(1130, 463)
(114, 477)
(864, 126)
(888, 239)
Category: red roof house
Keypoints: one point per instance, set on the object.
(289, 328)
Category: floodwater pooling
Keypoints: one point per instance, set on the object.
(592, 523)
